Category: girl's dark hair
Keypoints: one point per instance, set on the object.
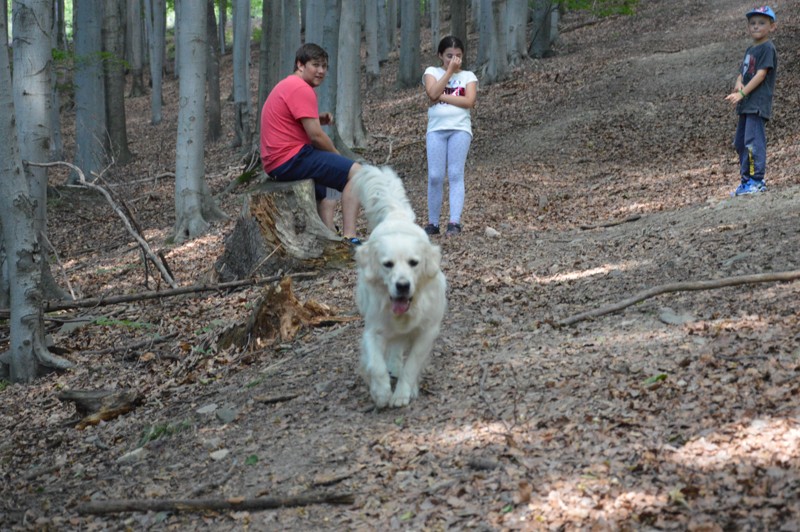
(451, 41)
(310, 52)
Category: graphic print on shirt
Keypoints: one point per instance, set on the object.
(749, 66)
(454, 91)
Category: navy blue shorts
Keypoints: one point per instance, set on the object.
(327, 169)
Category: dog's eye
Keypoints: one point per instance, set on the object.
(413, 263)
(388, 264)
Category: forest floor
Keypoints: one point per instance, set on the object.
(606, 170)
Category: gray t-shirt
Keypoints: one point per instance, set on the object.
(759, 57)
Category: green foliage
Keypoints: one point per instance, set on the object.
(3, 385)
(603, 8)
(155, 432)
(251, 460)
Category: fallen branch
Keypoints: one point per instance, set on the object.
(683, 287)
(118, 210)
(613, 222)
(199, 505)
(113, 300)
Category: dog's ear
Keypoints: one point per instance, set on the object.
(365, 259)
(432, 262)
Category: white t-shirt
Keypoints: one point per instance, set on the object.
(446, 116)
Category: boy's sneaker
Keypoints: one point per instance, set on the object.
(432, 229)
(453, 229)
(751, 186)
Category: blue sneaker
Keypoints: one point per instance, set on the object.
(751, 186)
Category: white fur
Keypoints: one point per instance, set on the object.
(398, 269)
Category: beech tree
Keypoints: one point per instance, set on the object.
(90, 120)
(212, 76)
(458, 25)
(135, 46)
(27, 356)
(114, 79)
(32, 91)
(410, 71)
(241, 74)
(156, 22)
(349, 120)
(194, 205)
(371, 34)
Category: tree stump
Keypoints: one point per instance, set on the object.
(280, 230)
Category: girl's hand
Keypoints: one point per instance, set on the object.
(454, 65)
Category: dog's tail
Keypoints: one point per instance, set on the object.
(382, 195)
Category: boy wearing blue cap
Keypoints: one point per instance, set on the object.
(752, 96)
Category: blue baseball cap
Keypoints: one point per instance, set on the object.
(763, 10)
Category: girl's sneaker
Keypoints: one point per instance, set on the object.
(453, 229)
(432, 229)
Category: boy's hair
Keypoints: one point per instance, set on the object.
(310, 52)
(450, 41)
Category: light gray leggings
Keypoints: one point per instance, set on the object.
(447, 154)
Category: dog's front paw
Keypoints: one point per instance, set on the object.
(402, 395)
(381, 391)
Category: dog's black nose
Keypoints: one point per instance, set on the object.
(403, 287)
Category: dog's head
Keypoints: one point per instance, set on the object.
(400, 261)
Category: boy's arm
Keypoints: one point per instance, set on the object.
(741, 91)
(319, 139)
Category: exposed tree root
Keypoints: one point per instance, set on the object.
(682, 287)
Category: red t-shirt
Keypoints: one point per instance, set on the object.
(282, 133)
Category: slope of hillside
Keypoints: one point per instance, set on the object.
(607, 171)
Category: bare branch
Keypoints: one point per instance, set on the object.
(125, 220)
(682, 287)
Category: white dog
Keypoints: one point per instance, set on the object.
(400, 291)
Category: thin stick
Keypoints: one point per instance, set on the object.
(612, 223)
(60, 264)
(682, 287)
(199, 505)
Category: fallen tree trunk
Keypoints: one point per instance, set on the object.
(682, 287)
(280, 230)
(199, 505)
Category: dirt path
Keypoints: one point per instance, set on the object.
(680, 412)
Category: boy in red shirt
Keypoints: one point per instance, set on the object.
(294, 145)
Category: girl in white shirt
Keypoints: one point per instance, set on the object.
(452, 93)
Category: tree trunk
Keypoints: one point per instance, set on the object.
(517, 31)
(373, 65)
(135, 47)
(194, 206)
(458, 26)
(212, 76)
(280, 230)
(58, 42)
(241, 74)
(542, 26)
(349, 121)
(90, 122)
(32, 85)
(114, 78)
(383, 30)
(290, 36)
(410, 74)
(435, 9)
(27, 355)
(155, 20)
(223, 23)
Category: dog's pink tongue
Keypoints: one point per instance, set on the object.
(400, 306)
